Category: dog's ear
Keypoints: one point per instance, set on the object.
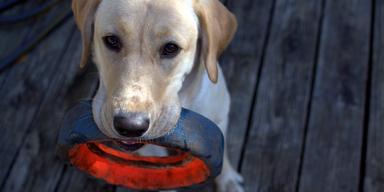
(217, 26)
(84, 13)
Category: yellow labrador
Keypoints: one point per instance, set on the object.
(154, 57)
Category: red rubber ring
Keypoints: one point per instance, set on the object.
(137, 172)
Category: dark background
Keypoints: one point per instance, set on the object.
(307, 85)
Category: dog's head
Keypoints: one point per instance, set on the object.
(143, 50)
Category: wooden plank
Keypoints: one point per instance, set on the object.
(21, 95)
(240, 73)
(36, 94)
(335, 131)
(253, 17)
(12, 36)
(64, 90)
(272, 153)
(26, 90)
(374, 175)
(241, 65)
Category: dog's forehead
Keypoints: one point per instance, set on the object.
(153, 12)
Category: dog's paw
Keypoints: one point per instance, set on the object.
(229, 181)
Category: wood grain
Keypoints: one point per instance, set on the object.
(374, 175)
(272, 153)
(22, 92)
(241, 67)
(335, 132)
(36, 94)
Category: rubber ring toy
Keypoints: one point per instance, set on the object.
(198, 143)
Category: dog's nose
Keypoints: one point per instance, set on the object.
(131, 124)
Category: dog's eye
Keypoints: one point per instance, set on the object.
(112, 42)
(170, 50)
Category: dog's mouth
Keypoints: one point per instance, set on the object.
(124, 146)
(128, 146)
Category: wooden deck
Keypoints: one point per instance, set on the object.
(307, 85)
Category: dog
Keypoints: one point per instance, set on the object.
(154, 57)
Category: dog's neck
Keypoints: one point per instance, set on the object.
(192, 84)
(194, 81)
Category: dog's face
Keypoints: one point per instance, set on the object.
(143, 49)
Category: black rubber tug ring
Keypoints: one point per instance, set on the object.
(198, 143)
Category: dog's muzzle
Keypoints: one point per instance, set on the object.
(197, 144)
